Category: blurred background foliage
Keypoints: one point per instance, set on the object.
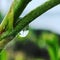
(37, 45)
(1, 17)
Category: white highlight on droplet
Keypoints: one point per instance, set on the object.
(24, 33)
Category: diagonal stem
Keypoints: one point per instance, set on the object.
(16, 9)
(32, 15)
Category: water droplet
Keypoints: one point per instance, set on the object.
(24, 33)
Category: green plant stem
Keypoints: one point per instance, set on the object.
(19, 6)
(32, 15)
(53, 51)
(7, 23)
(53, 48)
(16, 9)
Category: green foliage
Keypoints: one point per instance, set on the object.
(11, 25)
(1, 17)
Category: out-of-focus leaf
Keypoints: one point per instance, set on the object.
(1, 17)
